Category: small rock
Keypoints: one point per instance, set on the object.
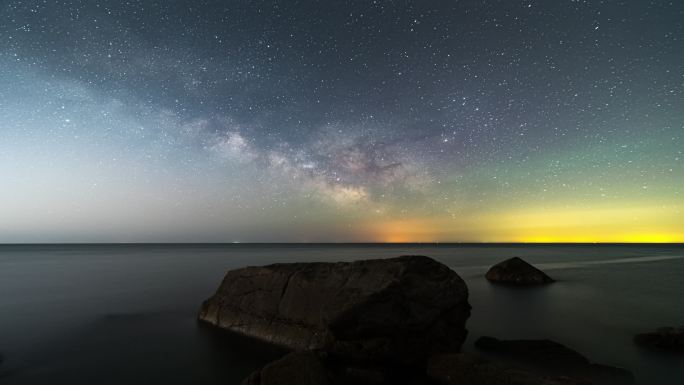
(517, 272)
(665, 339)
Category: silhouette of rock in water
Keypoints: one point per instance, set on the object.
(466, 369)
(317, 368)
(394, 310)
(300, 368)
(516, 271)
(666, 339)
(320, 368)
(551, 358)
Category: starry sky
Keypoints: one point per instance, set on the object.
(342, 121)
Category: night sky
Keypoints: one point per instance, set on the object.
(307, 121)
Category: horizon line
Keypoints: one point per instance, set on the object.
(328, 243)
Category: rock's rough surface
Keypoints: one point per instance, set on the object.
(551, 358)
(465, 369)
(401, 309)
(517, 272)
(665, 339)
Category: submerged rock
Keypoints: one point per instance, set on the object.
(466, 369)
(400, 310)
(551, 358)
(318, 368)
(301, 368)
(665, 339)
(516, 271)
(542, 352)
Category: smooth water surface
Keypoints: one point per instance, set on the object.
(125, 314)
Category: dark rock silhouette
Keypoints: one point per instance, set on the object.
(320, 368)
(516, 271)
(300, 368)
(544, 352)
(551, 358)
(393, 310)
(665, 339)
(466, 369)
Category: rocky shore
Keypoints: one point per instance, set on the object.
(390, 321)
(552, 359)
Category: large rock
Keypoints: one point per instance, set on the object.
(466, 369)
(517, 272)
(397, 310)
(665, 339)
(551, 358)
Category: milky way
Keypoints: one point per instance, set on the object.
(221, 121)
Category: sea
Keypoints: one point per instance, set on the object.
(126, 314)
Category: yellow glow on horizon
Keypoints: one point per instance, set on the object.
(627, 238)
(602, 224)
(645, 224)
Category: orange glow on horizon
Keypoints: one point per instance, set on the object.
(404, 231)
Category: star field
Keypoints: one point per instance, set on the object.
(496, 121)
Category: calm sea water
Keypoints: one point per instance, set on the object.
(123, 314)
